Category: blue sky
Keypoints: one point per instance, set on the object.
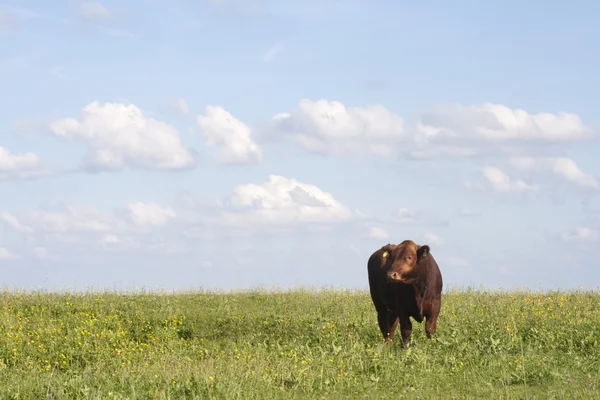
(231, 144)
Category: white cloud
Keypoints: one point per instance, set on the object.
(330, 127)
(496, 122)
(562, 167)
(407, 216)
(83, 224)
(110, 239)
(5, 254)
(150, 214)
(581, 234)
(93, 11)
(486, 129)
(462, 131)
(432, 239)
(273, 52)
(84, 227)
(502, 183)
(281, 202)
(25, 165)
(14, 223)
(41, 252)
(75, 218)
(119, 134)
(233, 137)
(378, 233)
(117, 242)
(10, 162)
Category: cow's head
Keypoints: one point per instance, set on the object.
(405, 259)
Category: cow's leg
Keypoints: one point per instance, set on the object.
(432, 316)
(393, 323)
(419, 301)
(405, 328)
(383, 318)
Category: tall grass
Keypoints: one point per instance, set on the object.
(295, 344)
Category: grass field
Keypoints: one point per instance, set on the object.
(296, 344)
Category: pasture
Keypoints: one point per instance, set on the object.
(295, 344)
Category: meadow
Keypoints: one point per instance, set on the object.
(294, 344)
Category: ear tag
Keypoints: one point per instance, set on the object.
(385, 254)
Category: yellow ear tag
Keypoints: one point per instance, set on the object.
(385, 254)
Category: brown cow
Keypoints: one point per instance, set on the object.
(405, 282)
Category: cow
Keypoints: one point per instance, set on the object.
(405, 281)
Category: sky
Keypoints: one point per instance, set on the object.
(229, 144)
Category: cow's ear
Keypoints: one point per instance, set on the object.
(423, 251)
(387, 249)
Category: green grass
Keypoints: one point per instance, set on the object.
(296, 344)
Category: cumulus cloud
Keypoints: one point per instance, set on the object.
(73, 219)
(5, 254)
(14, 223)
(119, 134)
(581, 234)
(112, 242)
(110, 239)
(562, 167)
(93, 11)
(432, 239)
(85, 226)
(503, 183)
(20, 166)
(378, 233)
(487, 129)
(150, 214)
(82, 218)
(41, 252)
(231, 136)
(281, 202)
(330, 127)
(496, 122)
